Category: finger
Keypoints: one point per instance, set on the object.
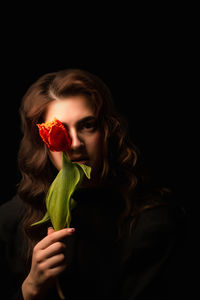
(54, 261)
(54, 272)
(54, 237)
(54, 249)
(50, 230)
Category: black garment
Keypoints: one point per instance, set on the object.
(148, 264)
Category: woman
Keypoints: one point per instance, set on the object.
(123, 240)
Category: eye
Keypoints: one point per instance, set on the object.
(88, 126)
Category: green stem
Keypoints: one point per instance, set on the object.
(59, 290)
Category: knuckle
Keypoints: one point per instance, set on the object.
(51, 238)
(59, 246)
(63, 268)
(35, 249)
(48, 274)
(57, 271)
(41, 268)
(61, 257)
(37, 257)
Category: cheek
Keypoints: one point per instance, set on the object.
(56, 159)
(94, 146)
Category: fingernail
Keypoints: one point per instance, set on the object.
(71, 229)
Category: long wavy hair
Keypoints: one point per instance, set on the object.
(37, 172)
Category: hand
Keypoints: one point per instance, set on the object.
(48, 261)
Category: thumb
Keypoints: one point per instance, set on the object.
(50, 230)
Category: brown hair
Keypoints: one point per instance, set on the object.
(120, 155)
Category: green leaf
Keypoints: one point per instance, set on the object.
(59, 201)
(58, 197)
(86, 170)
(45, 219)
(72, 204)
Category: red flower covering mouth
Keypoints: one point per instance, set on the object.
(55, 135)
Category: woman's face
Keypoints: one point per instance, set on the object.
(76, 114)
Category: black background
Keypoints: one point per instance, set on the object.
(147, 60)
(146, 56)
(150, 90)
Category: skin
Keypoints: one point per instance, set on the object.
(48, 261)
(78, 117)
(49, 258)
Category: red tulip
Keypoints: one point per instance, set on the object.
(55, 135)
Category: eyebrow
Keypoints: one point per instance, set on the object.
(86, 119)
(82, 121)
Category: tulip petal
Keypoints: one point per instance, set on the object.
(55, 135)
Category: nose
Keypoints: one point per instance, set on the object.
(76, 141)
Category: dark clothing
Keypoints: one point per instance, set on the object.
(146, 264)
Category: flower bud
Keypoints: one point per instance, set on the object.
(55, 135)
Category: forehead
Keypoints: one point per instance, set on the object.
(69, 110)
